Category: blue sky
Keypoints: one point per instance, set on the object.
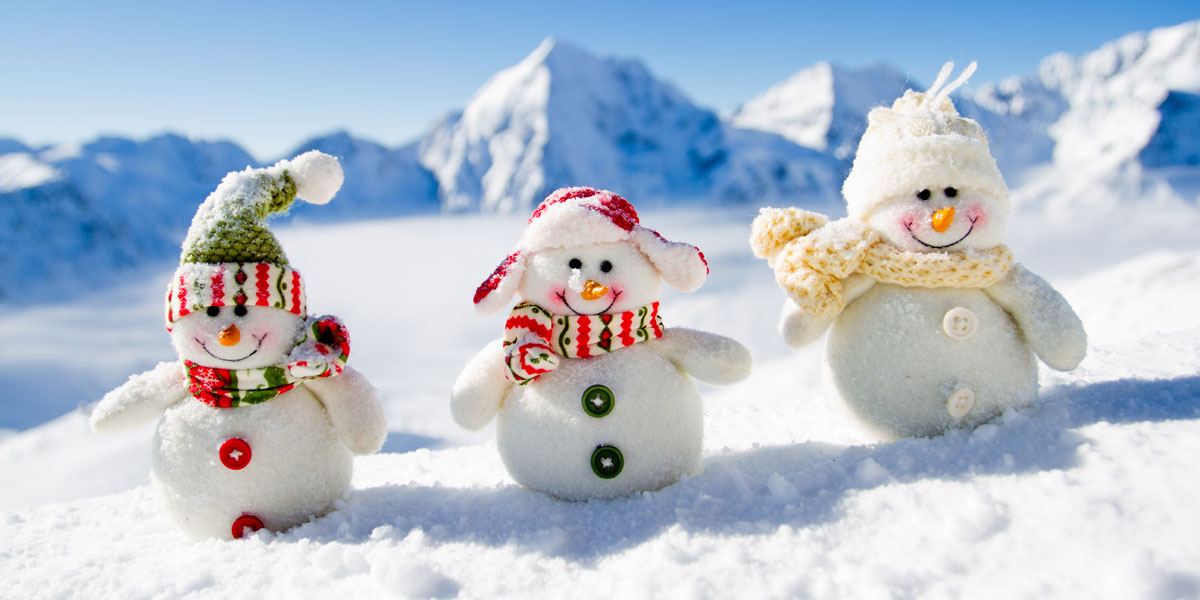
(269, 75)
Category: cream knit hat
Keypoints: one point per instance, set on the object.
(919, 143)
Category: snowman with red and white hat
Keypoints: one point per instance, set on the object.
(592, 394)
(258, 420)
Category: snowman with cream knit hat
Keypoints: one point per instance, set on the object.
(591, 392)
(258, 420)
(933, 324)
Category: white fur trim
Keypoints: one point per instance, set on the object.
(571, 223)
(499, 288)
(318, 176)
(681, 265)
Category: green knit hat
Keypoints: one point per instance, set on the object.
(230, 227)
(230, 257)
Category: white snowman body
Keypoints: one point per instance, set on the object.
(551, 442)
(224, 471)
(280, 461)
(918, 361)
(618, 422)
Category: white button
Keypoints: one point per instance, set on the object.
(960, 323)
(960, 402)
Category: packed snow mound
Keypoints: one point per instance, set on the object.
(1153, 294)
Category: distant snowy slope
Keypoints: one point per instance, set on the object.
(565, 117)
(824, 106)
(19, 169)
(104, 207)
(1115, 92)
(380, 181)
(80, 214)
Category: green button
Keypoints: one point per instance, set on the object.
(598, 401)
(607, 462)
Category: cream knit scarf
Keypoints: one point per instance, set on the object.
(534, 338)
(811, 256)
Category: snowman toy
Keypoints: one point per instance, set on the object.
(933, 325)
(591, 394)
(258, 420)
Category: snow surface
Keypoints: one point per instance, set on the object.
(1084, 495)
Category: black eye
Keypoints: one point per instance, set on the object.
(923, 194)
(575, 263)
(240, 310)
(606, 266)
(951, 192)
(214, 311)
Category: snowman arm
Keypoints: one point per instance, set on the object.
(140, 400)
(709, 357)
(1052, 329)
(480, 387)
(354, 409)
(800, 328)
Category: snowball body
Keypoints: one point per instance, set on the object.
(895, 366)
(297, 468)
(547, 439)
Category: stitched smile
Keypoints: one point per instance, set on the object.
(563, 297)
(908, 226)
(252, 352)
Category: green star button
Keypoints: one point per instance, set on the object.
(598, 401)
(607, 462)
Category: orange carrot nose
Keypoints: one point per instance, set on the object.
(943, 218)
(229, 336)
(593, 290)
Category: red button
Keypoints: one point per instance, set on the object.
(235, 453)
(244, 522)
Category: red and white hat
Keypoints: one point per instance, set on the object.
(579, 216)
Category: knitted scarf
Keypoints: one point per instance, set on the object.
(534, 339)
(811, 256)
(321, 353)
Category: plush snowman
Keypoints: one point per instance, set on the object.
(260, 415)
(591, 392)
(933, 325)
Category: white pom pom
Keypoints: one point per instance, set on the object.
(318, 176)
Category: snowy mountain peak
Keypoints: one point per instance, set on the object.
(824, 106)
(563, 116)
(1115, 94)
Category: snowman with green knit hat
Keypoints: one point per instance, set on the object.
(260, 417)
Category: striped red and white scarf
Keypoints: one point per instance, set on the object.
(322, 353)
(534, 339)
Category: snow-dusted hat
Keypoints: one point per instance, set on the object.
(230, 257)
(919, 143)
(579, 216)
